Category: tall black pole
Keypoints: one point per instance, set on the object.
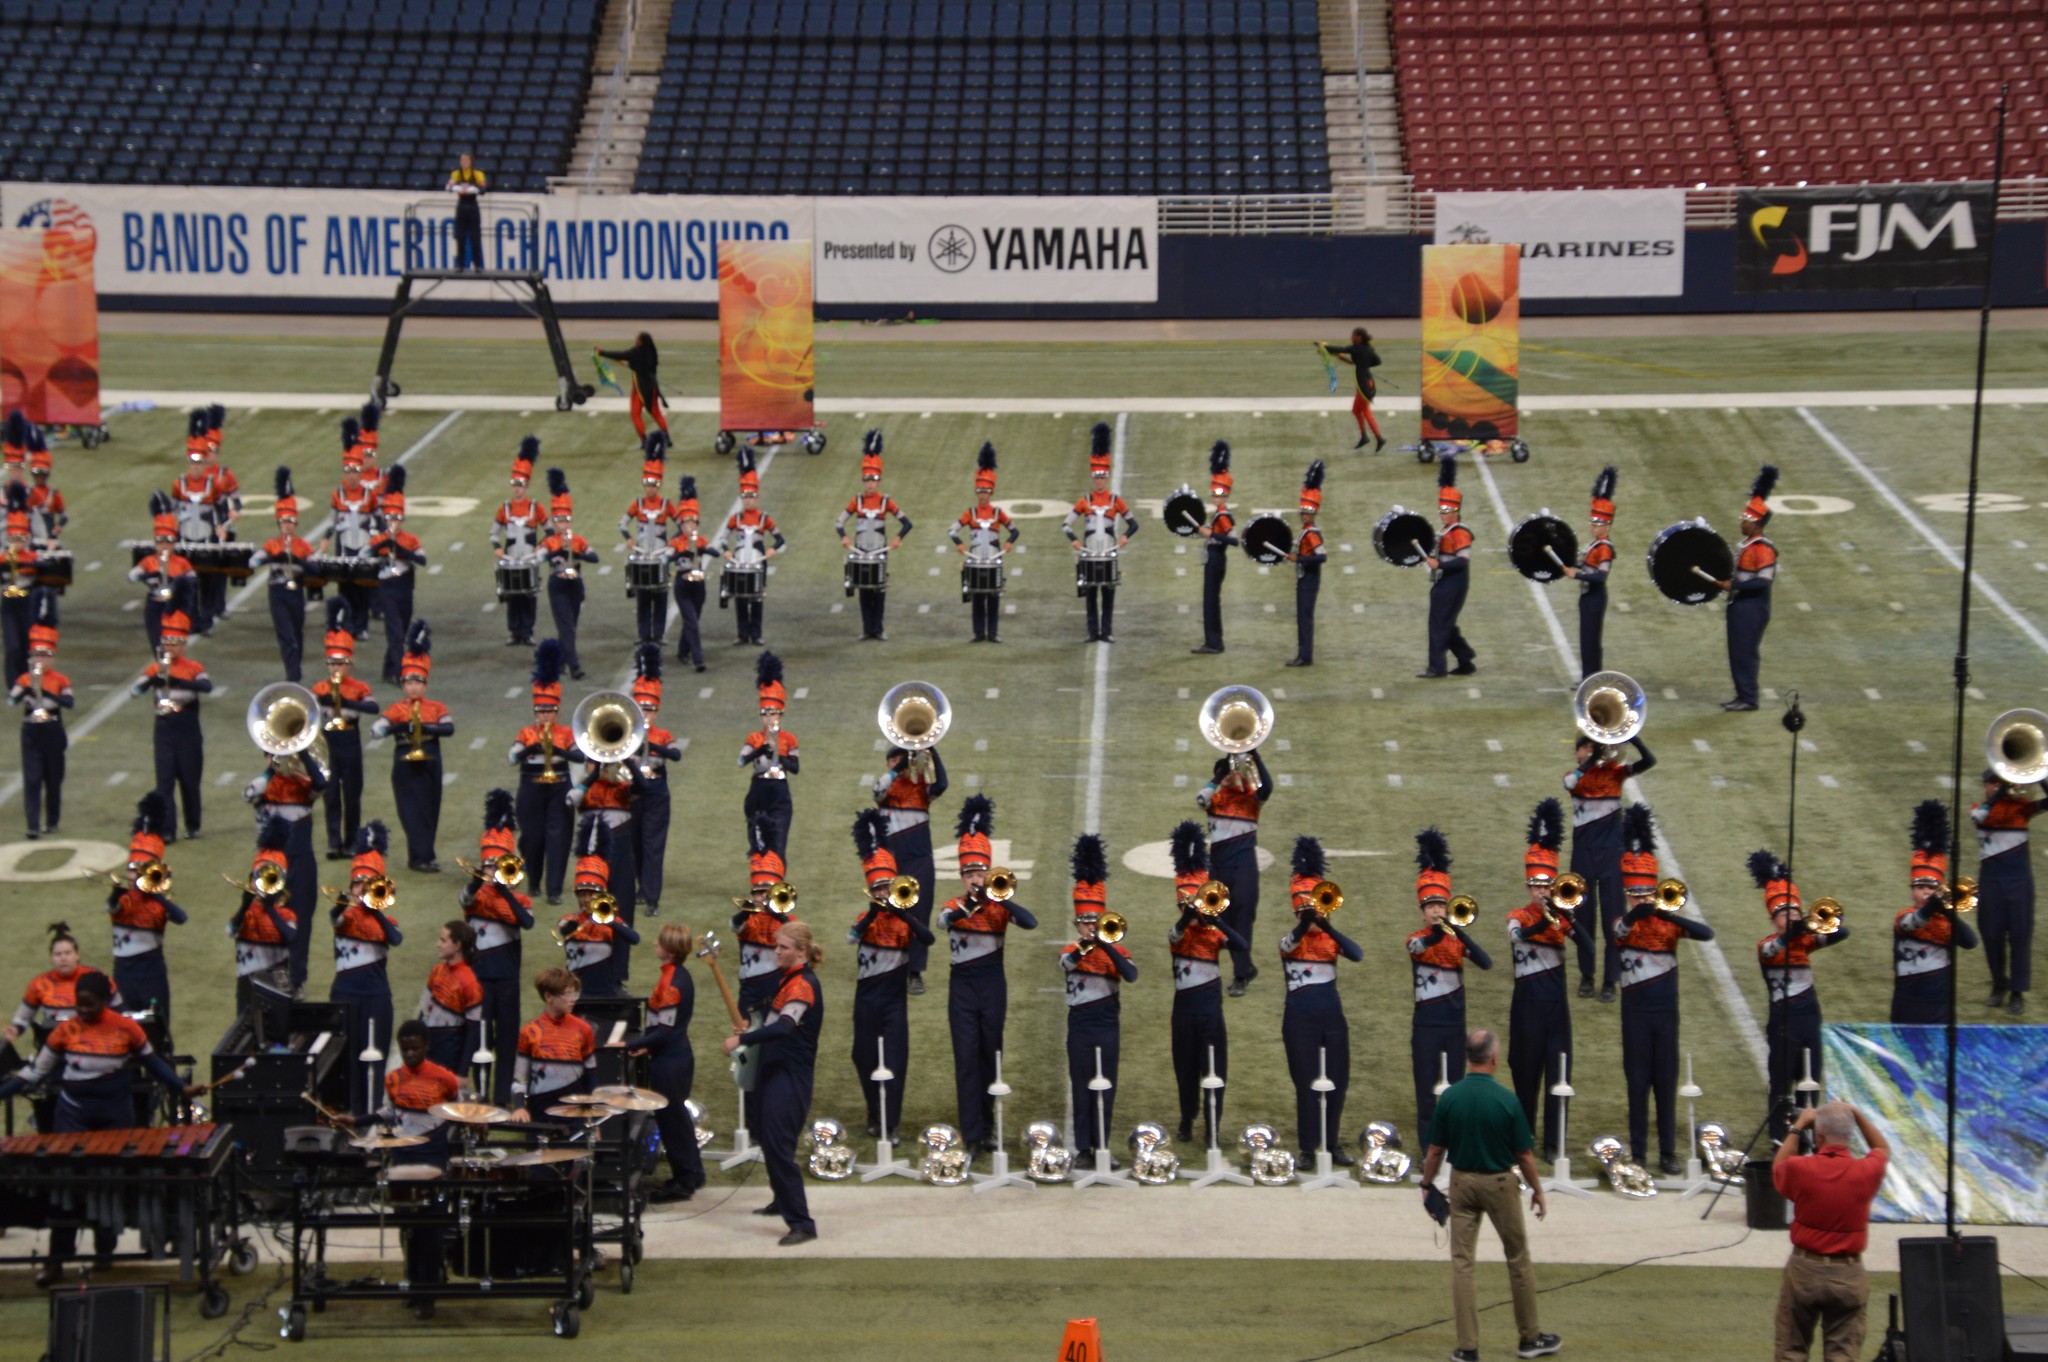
(1794, 720)
(1962, 663)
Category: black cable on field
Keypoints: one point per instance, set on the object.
(2032, 1281)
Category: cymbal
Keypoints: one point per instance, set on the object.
(583, 1099)
(386, 1141)
(632, 1099)
(415, 1172)
(584, 1111)
(470, 1113)
(536, 1157)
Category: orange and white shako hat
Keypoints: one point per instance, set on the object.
(351, 444)
(547, 674)
(287, 496)
(392, 503)
(419, 648)
(175, 627)
(654, 459)
(146, 833)
(273, 835)
(593, 841)
(163, 523)
(1448, 497)
(1546, 836)
(974, 826)
(523, 461)
(39, 460)
(764, 863)
(1602, 511)
(1091, 876)
(1312, 487)
(647, 675)
(195, 435)
(1189, 846)
(1219, 469)
(1638, 850)
(338, 641)
(1758, 507)
(1772, 876)
(985, 468)
(877, 862)
(1099, 449)
(750, 476)
(1433, 867)
(1930, 843)
(1309, 868)
(560, 503)
(372, 840)
(686, 499)
(501, 826)
(871, 455)
(42, 629)
(370, 417)
(768, 682)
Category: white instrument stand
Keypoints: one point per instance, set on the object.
(1696, 1179)
(886, 1163)
(1443, 1082)
(1216, 1169)
(370, 1058)
(999, 1174)
(1806, 1089)
(744, 1150)
(1102, 1172)
(1560, 1179)
(1326, 1173)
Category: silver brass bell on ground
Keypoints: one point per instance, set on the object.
(1047, 1158)
(1153, 1161)
(831, 1156)
(1272, 1166)
(1629, 1179)
(1384, 1160)
(945, 1157)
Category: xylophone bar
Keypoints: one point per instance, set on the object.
(152, 1142)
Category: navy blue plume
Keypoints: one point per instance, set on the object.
(1099, 438)
(1313, 479)
(1766, 481)
(558, 483)
(1765, 867)
(977, 814)
(1432, 852)
(1930, 826)
(1603, 485)
(1090, 860)
(1639, 830)
(1546, 825)
(1190, 848)
(1219, 458)
(501, 811)
(871, 443)
(985, 461)
(869, 828)
(767, 667)
(547, 662)
(283, 482)
(1309, 861)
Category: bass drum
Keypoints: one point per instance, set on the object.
(1682, 553)
(1184, 514)
(1268, 540)
(1403, 537)
(1532, 543)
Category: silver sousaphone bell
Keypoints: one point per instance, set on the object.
(945, 1156)
(1047, 1159)
(2016, 746)
(609, 728)
(914, 715)
(1153, 1161)
(831, 1156)
(1384, 1159)
(1235, 720)
(1609, 708)
(284, 720)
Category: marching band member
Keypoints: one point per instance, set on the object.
(452, 1003)
(2005, 889)
(398, 555)
(1234, 798)
(284, 792)
(1450, 577)
(497, 915)
(650, 785)
(1098, 513)
(1217, 542)
(353, 517)
(752, 530)
(989, 534)
(1925, 936)
(1749, 598)
(757, 922)
(285, 555)
(1363, 359)
(557, 1049)
(1196, 942)
(369, 417)
(645, 523)
(343, 699)
(363, 938)
(1436, 957)
(14, 442)
(51, 998)
(905, 792)
(139, 918)
(1313, 1028)
(688, 550)
(870, 512)
(1308, 557)
(44, 693)
(1540, 1018)
(419, 724)
(542, 751)
(1792, 1027)
(606, 791)
(978, 991)
(23, 593)
(645, 362)
(592, 948)
(208, 503)
(516, 535)
(264, 927)
(46, 514)
(564, 549)
(1595, 562)
(882, 940)
(173, 586)
(412, 1090)
(771, 751)
(1095, 972)
(1595, 787)
(1649, 994)
(789, 1058)
(179, 744)
(672, 1063)
(89, 1055)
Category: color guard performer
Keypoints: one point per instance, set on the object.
(687, 552)
(51, 998)
(1540, 1017)
(1218, 539)
(353, 519)
(1749, 592)
(1197, 942)
(497, 915)
(178, 742)
(672, 1063)
(46, 514)
(542, 751)
(594, 935)
(749, 538)
(1363, 359)
(1100, 536)
(1649, 940)
(557, 1049)
(43, 693)
(977, 990)
(1595, 787)
(363, 938)
(1308, 557)
(1925, 936)
(564, 549)
(343, 702)
(989, 533)
(516, 533)
(771, 751)
(1450, 578)
(1095, 971)
(452, 1003)
(139, 917)
(2005, 890)
(1313, 1029)
(644, 360)
(645, 527)
(881, 1012)
(1234, 799)
(1596, 560)
(398, 556)
(1792, 1027)
(1436, 958)
(789, 1061)
(417, 725)
(284, 556)
(284, 791)
(173, 586)
(870, 513)
(905, 792)
(264, 926)
(650, 784)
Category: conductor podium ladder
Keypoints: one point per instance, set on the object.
(511, 248)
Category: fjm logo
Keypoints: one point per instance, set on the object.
(1874, 227)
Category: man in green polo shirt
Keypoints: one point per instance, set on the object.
(1480, 1125)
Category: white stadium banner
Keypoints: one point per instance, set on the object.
(1579, 243)
(351, 243)
(1014, 250)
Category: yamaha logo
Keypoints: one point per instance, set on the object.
(951, 248)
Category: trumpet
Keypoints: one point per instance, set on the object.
(1671, 895)
(782, 898)
(14, 590)
(1964, 897)
(1826, 918)
(38, 704)
(267, 883)
(1567, 892)
(902, 894)
(1325, 897)
(604, 910)
(999, 885)
(416, 735)
(1462, 910)
(379, 895)
(164, 703)
(336, 720)
(1109, 930)
(507, 872)
(1212, 900)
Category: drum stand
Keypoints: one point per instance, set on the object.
(886, 1163)
(744, 1150)
(1216, 1169)
(1102, 1172)
(1696, 1179)
(1560, 1179)
(999, 1174)
(1326, 1174)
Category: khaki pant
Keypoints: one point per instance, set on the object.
(1498, 1197)
(1830, 1291)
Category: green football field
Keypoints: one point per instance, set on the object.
(1066, 736)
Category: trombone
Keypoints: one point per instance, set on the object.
(1826, 918)
(151, 877)
(1212, 900)
(1462, 910)
(1325, 897)
(379, 895)
(1109, 930)
(1567, 893)
(1671, 896)
(507, 872)
(267, 883)
(902, 894)
(604, 911)
(999, 885)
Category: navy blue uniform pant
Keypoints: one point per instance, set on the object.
(1596, 858)
(783, 1096)
(770, 798)
(912, 849)
(416, 789)
(1315, 1036)
(1592, 624)
(1101, 610)
(690, 611)
(104, 1105)
(1539, 1046)
(565, 604)
(1748, 617)
(1446, 601)
(368, 988)
(180, 762)
(394, 603)
(977, 1002)
(144, 981)
(650, 615)
(986, 608)
(622, 882)
(302, 886)
(42, 772)
(672, 1072)
(14, 622)
(1307, 587)
(1214, 565)
(288, 621)
(343, 797)
(2005, 917)
(650, 840)
(881, 1013)
(747, 613)
(1789, 1039)
(450, 1047)
(521, 612)
(1235, 862)
(469, 235)
(498, 974)
(1436, 1050)
(1198, 1031)
(873, 603)
(1091, 1029)
(546, 826)
(1649, 1061)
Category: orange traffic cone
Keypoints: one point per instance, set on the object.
(1082, 1342)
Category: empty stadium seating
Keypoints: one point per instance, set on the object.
(989, 97)
(367, 93)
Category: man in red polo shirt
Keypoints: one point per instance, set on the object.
(1830, 1191)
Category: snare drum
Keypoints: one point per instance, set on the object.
(53, 568)
(743, 583)
(215, 559)
(520, 577)
(646, 575)
(865, 573)
(981, 579)
(1095, 570)
(412, 1184)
